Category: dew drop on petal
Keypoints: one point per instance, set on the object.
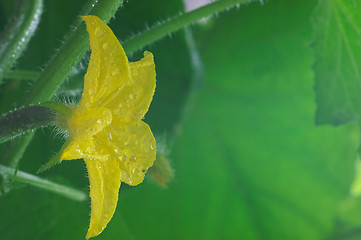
(105, 46)
(99, 32)
(136, 171)
(115, 73)
(132, 96)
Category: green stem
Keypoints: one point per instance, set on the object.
(173, 24)
(26, 119)
(23, 75)
(75, 45)
(30, 179)
(18, 33)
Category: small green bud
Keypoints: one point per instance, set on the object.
(161, 171)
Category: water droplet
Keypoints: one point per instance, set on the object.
(99, 32)
(115, 73)
(23, 39)
(105, 46)
(136, 171)
(91, 92)
(132, 96)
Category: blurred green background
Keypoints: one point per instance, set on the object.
(234, 107)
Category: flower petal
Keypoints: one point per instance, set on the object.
(132, 146)
(83, 126)
(104, 177)
(85, 148)
(108, 67)
(130, 103)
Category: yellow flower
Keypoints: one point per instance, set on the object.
(106, 129)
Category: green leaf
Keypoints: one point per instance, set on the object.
(337, 29)
(250, 163)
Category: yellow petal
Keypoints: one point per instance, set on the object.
(83, 126)
(104, 177)
(132, 146)
(108, 67)
(75, 150)
(85, 148)
(130, 103)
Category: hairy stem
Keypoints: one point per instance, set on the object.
(30, 179)
(18, 33)
(173, 24)
(24, 120)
